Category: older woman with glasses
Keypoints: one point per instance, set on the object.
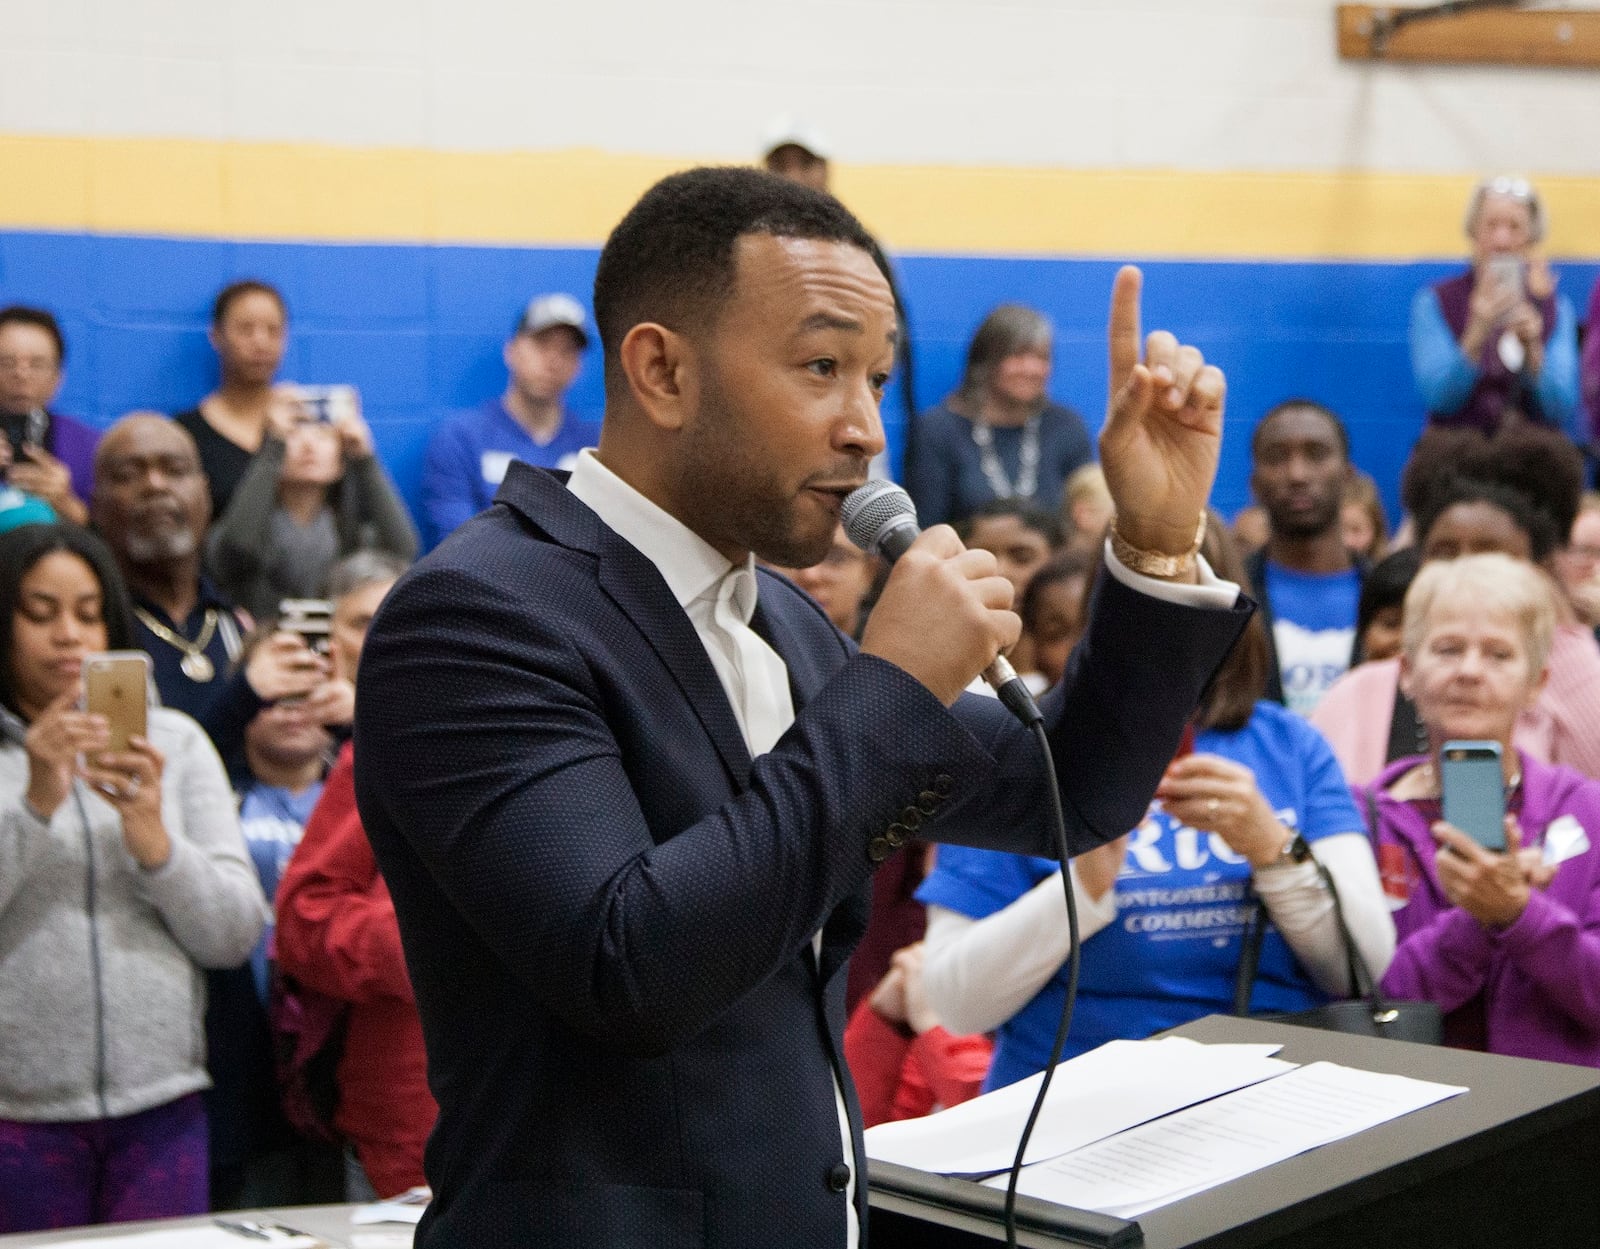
(1508, 942)
(1497, 339)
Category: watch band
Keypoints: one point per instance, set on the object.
(1296, 850)
(1156, 563)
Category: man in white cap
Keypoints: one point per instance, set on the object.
(797, 151)
(469, 453)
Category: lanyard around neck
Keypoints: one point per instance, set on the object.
(1027, 461)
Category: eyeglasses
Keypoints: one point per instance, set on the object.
(27, 364)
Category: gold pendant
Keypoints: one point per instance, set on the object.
(197, 667)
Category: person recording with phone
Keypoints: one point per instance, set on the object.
(1166, 908)
(1504, 937)
(1498, 342)
(314, 493)
(122, 876)
(46, 454)
(338, 937)
(628, 789)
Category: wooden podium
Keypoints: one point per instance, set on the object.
(1513, 1162)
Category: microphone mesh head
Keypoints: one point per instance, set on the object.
(875, 510)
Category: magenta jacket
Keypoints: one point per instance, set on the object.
(1540, 977)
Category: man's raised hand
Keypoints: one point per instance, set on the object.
(1163, 430)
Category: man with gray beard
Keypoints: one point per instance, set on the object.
(151, 504)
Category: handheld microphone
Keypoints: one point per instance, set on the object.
(881, 519)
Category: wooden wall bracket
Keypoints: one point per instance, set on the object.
(1562, 38)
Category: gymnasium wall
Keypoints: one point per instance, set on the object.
(409, 172)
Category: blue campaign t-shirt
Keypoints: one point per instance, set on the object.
(1313, 629)
(272, 819)
(469, 454)
(1172, 953)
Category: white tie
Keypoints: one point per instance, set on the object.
(760, 686)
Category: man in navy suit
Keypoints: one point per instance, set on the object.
(628, 790)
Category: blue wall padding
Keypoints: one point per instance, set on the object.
(419, 328)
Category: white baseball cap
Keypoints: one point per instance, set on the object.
(545, 312)
(790, 129)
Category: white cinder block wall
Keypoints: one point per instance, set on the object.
(1185, 84)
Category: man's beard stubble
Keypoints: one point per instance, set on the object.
(161, 548)
(737, 499)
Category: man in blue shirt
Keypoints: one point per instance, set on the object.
(1307, 583)
(470, 452)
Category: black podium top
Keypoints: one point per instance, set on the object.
(1513, 1139)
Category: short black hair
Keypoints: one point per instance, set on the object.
(39, 318)
(1062, 566)
(1386, 585)
(1029, 514)
(1292, 405)
(23, 547)
(235, 291)
(671, 259)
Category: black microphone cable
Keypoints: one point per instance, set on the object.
(1074, 960)
(881, 519)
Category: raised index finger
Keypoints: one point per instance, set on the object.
(1124, 331)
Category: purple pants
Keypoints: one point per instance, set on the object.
(151, 1165)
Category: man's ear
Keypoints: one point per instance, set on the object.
(660, 367)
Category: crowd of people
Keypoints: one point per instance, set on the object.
(204, 1002)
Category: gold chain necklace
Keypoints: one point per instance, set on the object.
(196, 665)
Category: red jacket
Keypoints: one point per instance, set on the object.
(337, 934)
(900, 1076)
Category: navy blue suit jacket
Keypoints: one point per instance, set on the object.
(608, 908)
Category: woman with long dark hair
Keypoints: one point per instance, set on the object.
(122, 876)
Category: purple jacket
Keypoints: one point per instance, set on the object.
(1540, 977)
(73, 443)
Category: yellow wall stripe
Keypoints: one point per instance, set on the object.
(324, 193)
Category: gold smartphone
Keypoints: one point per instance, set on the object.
(116, 685)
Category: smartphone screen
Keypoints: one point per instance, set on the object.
(116, 685)
(1508, 272)
(311, 618)
(1472, 785)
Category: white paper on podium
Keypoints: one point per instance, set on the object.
(1095, 1095)
(190, 1238)
(1229, 1136)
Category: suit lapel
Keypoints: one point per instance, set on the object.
(636, 586)
(807, 675)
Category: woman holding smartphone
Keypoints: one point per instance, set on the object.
(122, 875)
(314, 494)
(1507, 942)
(1497, 341)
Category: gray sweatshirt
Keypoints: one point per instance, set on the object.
(102, 994)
